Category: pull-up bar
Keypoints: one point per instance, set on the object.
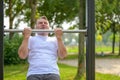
(45, 30)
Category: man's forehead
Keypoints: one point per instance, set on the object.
(41, 20)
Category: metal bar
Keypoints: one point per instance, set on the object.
(39, 30)
(1, 40)
(90, 47)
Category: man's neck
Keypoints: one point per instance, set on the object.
(42, 34)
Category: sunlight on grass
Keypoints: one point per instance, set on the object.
(100, 76)
(15, 72)
(18, 72)
(67, 72)
(98, 49)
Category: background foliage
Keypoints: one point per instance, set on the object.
(11, 49)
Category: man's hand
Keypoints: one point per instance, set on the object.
(58, 33)
(27, 32)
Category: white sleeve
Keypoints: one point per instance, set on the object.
(56, 42)
(29, 42)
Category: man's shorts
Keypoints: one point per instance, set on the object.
(44, 77)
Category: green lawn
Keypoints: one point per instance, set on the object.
(106, 49)
(18, 72)
(75, 56)
(98, 49)
(15, 72)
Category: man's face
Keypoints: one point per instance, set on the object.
(42, 24)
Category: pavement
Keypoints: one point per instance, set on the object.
(107, 66)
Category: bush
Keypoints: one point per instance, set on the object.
(11, 50)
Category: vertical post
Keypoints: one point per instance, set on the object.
(90, 47)
(1, 39)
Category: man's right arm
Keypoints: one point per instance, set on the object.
(23, 49)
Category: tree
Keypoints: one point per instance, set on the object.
(32, 5)
(13, 8)
(119, 44)
(59, 11)
(107, 17)
(81, 62)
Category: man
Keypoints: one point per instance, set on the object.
(42, 52)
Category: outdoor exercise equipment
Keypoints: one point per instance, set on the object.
(43, 30)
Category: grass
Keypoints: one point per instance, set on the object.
(67, 72)
(72, 56)
(100, 76)
(72, 49)
(98, 49)
(18, 72)
(110, 56)
(106, 49)
(15, 72)
(73, 52)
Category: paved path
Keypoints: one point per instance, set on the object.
(110, 66)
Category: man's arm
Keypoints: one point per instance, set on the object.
(62, 52)
(23, 49)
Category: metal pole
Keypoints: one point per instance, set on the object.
(1, 39)
(39, 30)
(90, 47)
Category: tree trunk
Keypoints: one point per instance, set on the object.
(113, 42)
(10, 19)
(81, 61)
(33, 12)
(33, 6)
(119, 41)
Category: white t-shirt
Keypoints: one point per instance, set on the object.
(42, 56)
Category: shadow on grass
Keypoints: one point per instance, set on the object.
(15, 71)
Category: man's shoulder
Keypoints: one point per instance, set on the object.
(32, 37)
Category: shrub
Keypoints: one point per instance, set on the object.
(11, 50)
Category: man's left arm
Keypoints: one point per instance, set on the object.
(62, 52)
